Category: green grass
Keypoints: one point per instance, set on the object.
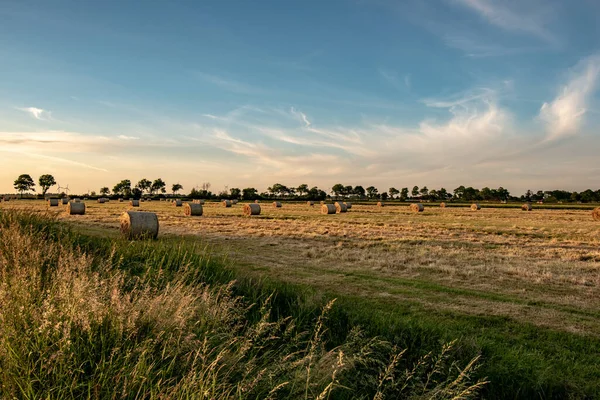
(85, 316)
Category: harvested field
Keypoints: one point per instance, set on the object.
(539, 270)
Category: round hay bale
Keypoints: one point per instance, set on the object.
(251, 209)
(139, 225)
(596, 214)
(120, 200)
(192, 209)
(310, 203)
(52, 202)
(322, 202)
(256, 201)
(101, 200)
(328, 209)
(475, 207)
(340, 207)
(443, 205)
(65, 201)
(417, 207)
(77, 200)
(380, 204)
(198, 201)
(348, 205)
(226, 203)
(234, 201)
(277, 204)
(178, 203)
(526, 207)
(134, 203)
(75, 208)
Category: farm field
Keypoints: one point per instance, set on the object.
(521, 287)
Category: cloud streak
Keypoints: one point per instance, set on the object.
(564, 115)
(37, 113)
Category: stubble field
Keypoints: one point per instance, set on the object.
(521, 287)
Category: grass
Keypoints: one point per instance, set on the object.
(520, 288)
(93, 317)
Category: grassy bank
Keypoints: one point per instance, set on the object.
(89, 317)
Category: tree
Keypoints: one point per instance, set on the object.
(104, 191)
(24, 183)
(359, 191)
(415, 191)
(337, 189)
(176, 188)
(383, 196)
(143, 185)
(347, 190)
(45, 182)
(235, 193)
(372, 192)
(123, 188)
(249, 194)
(393, 192)
(302, 189)
(424, 191)
(443, 194)
(404, 194)
(158, 185)
(278, 189)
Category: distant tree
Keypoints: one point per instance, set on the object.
(144, 185)
(337, 189)
(348, 191)
(136, 193)
(404, 194)
(424, 191)
(486, 193)
(24, 183)
(249, 194)
(235, 193)
(176, 188)
(158, 185)
(433, 195)
(383, 196)
(104, 191)
(459, 192)
(302, 189)
(93, 194)
(123, 188)
(393, 192)
(45, 182)
(278, 190)
(372, 192)
(415, 191)
(443, 194)
(359, 191)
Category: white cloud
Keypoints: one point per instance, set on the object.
(301, 116)
(565, 114)
(516, 16)
(37, 113)
(123, 137)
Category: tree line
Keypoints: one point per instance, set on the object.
(157, 187)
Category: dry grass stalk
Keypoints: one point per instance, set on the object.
(139, 225)
(475, 207)
(75, 208)
(192, 209)
(328, 209)
(417, 207)
(251, 209)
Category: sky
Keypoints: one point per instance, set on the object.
(387, 93)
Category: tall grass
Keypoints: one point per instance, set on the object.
(140, 321)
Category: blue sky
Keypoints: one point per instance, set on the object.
(240, 93)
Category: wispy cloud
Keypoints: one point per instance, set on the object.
(521, 17)
(124, 137)
(231, 85)
(37, 113)
(565, 114)
(398, 82)
(301, 116)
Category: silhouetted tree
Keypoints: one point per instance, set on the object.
(46, 181)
